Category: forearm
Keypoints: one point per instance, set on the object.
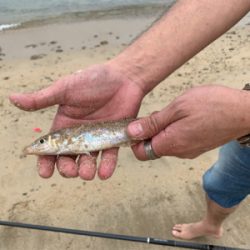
(188, 27)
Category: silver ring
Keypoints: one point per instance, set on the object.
(149, 150)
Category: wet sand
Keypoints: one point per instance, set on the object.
(142, 198)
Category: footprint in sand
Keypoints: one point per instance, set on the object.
(31, 46)
(36, 57)
(104, 42)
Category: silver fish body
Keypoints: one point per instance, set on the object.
(82, 139)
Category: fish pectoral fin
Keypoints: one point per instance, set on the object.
(86, 153)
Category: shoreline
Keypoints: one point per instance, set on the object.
(37, 42)
(41, 38)
(119, 12)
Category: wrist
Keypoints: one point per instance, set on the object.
(128, 70)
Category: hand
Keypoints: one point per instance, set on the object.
(201, 119)
(101, 92)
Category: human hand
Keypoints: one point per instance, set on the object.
(100, 92)
(201, 119)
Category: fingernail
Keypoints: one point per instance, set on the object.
(135, 129)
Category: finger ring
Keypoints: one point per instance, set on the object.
(149, 150)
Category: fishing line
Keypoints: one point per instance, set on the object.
(148, 240)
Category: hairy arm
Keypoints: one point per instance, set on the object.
(200, 119)
(188, 27)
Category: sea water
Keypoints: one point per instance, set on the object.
(16, 12)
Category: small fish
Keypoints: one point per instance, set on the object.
(82, 139)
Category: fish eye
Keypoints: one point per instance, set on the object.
(42, 141)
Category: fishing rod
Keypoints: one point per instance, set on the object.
(148, 240)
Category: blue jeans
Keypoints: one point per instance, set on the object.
(227, 182)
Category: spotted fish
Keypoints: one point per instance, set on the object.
(82, 139)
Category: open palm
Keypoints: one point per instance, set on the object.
(99, 92)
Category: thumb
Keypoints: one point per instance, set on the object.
(147, 127)
(39, 99)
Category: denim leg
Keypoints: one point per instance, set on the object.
(227, 182)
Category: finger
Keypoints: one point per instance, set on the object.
(39, 99)
(108, 163)
(171, 141)
(162, 145)
(140, 153)
(87, 166)
(67, 166)
(149, 126)
(46, 166)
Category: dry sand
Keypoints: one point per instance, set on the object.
(142, 198)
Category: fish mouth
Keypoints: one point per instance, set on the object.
(28, 151)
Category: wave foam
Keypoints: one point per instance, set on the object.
(8, 26)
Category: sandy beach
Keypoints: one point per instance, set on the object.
(142, 198)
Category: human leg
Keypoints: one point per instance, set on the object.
(209, 225)
(227, 183)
